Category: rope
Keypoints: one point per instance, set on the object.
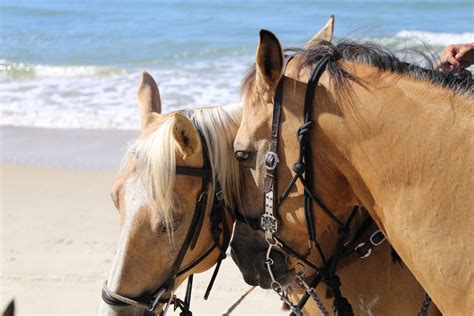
(237, 303)
(425, 305)
(320, 304)
(121, 298)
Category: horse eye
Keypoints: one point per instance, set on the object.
(173, 226)
(242, 155)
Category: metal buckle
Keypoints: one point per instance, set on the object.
(362, 244)
(271, 160)
(375, 234)
(165, 309)
(156, 300)
(272, 241)
(300, 279)
(220, 195)
(282, 293)
(202, 196)
(269, 223)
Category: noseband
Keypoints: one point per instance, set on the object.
(164, 293)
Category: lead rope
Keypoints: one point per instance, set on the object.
(312, 293)
(237, 303)
(318, 301)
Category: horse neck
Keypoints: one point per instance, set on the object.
(406, 149)
(399, 140)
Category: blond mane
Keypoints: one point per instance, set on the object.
(156, 159)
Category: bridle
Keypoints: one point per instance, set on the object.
(219, 226)
(304, 173)
(303, 169)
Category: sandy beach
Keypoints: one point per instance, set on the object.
(59, 227)
(69, 75)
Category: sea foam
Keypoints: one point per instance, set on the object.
(104, 97)
(436, 39)
(101, 97)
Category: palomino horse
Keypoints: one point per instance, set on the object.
(390, 136)
(176, 174)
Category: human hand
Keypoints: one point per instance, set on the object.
(455, 57)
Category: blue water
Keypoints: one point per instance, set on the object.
(77, 63)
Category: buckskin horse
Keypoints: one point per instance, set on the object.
(373, 131)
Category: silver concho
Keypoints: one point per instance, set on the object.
(271, 160)
(269, 223)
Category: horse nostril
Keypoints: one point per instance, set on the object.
(242, 155)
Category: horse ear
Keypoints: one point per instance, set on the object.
(185, 135)
(10, 310)
(269, 60)
(325, 34)
(149, 99)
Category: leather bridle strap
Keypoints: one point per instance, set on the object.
(194, 172)
(268, 221)
(327, 273)
(305, 148)
(304, 172)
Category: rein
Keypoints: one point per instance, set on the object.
(218, 218)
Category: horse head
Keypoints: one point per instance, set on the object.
(166, 195)
(253, 141)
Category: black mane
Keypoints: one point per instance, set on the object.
(373, 55)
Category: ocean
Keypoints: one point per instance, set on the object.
(77, 63)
